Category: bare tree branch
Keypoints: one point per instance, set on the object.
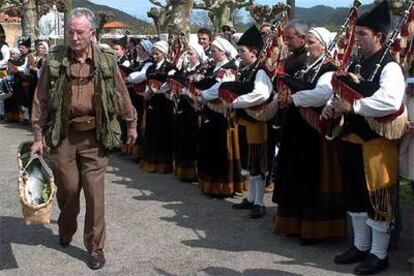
(156, 3)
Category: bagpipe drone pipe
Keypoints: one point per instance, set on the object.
(349, 86)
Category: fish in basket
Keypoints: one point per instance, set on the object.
(36, 186)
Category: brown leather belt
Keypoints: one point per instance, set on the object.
(84, 123)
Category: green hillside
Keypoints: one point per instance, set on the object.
(136, 24)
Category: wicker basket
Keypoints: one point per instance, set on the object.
(34, 213)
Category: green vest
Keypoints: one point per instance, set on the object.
(107, 109)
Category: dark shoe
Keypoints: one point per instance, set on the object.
(245, 204)
(257, 211)
(96, 259)
(371, 265)
(64, 243)
(352, 255)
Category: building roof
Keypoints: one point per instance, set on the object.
(115, 24)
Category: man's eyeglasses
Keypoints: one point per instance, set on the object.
(79, 33)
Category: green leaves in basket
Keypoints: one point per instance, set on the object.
(45, 193)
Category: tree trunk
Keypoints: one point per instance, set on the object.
(178, 26)
(29, 19)
(68, 9)
(180, 17)
(292, 4)
(222, 15)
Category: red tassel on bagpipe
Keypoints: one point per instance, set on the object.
(396, 47)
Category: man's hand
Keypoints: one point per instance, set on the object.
(328, 112)
(227, 105)
(132, 136)
(37, 147)
(340, 106)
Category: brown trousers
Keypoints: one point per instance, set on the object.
(80, 161)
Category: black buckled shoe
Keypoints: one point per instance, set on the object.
(245, 204)
(371, 265)
(96, 259)
(257, 211)
(352, 255)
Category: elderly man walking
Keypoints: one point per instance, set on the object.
(78, 99)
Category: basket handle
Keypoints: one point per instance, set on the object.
(35, 156)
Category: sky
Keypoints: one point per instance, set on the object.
(139, 8)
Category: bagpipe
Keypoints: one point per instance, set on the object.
(273, 42)
(17, 60)
(390, 127)
(203, 78)
(6, 87)
(184, 87)
(338, 53)
(179, 84)
(138, 88)
(344, 84)
(154, 85)
(343, 45)
(220, 105)
(228, 92)
(403, 43)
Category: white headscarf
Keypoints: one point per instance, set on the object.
(225, 46)
(323, 35)
(198, 49)
(147, 45)
(162, 46)
(44, 44)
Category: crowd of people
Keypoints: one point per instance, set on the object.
(175, 116)
(23, 68)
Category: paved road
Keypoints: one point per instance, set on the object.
(160, 226)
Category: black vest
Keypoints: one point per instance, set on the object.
(357, 123)
(244, 85)
(160, 74)
(210, 76)
(183, 74)
(302, 80)
(138, 66)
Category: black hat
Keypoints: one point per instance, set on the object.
(378, 19)
(25, 41)
(251, 38)
(123, 41)
(134, 40)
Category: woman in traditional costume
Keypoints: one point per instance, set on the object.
(137, 80)
(159, 119)
(309, 190)
(187, 117)
(219, 168)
